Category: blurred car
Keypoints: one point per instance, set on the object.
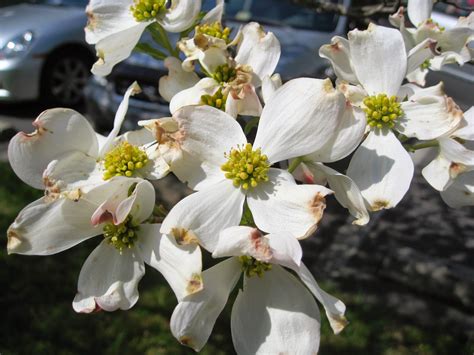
(43, 53)
(458, 80)
(301, 32)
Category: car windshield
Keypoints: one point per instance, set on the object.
(280, 13)
(75, 3)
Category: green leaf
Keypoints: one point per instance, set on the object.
(251, 125)
(149, 50)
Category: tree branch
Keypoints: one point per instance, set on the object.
(367, 10)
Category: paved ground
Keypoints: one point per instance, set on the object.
(416, 259)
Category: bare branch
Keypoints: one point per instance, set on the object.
(457, 5)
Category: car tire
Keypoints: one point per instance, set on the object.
(64, 77)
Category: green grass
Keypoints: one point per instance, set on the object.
(37, 316)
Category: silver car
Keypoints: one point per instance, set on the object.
(43, 53)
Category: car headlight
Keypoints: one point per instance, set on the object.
(17, 46)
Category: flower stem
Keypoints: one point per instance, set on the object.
(294, 164)
(161, 37)
(428, 144)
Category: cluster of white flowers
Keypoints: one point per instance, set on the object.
(247, 206)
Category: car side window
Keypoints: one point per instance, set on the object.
(281, 13)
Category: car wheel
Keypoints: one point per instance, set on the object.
(64, 78)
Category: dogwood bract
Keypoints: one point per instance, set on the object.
(452, 43)
(273, 312)
(115, 26)
(66, 156)
(210, 152)
(231, 83)
(110, 275)
(376, 61)
(454, 158)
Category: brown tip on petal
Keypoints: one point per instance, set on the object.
(336, 46)
(184, 236)
(91, 20)
(14, 240)
(195, 284)
(379, 205)
(187, 341)
(39, 131)
(456, 169)
(453, 110)
(338, 323)
(317, 206)
(201, 41)
(74, 195)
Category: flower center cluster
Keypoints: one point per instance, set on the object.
(215, 30)
(246, 167)
(425, 65)
(123, 235)
(217, 100)
(382, 111)
(224, 74)
(433, 24)
(124, 160)
(146, 10)
(253, 267)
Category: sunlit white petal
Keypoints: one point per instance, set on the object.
(266, 320)
(180, 264)
(299, 119)
(382, 169)
(109, 280)
(205, 213)
(194, 317)
(273, 202)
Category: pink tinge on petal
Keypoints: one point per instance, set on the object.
(102, 215)
(97, 308)
(262, 250)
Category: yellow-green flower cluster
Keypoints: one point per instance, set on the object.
(246, 167)
(382, 111)
(215, 30)
(431, 22)
(146, 10)
(253, 267)
(425, 65)
(124, 160)
(224, 74)
(217, 100)
(122, 236)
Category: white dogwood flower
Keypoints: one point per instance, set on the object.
(232, 82)
(461, 192)
(376, 61)
(345, 139)
(110, 275)
(177, 79)
(115, 26)
(454, 158)
(210, 39)
(213, 156)
(66, 156)
(452, 44)
(274, 312)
